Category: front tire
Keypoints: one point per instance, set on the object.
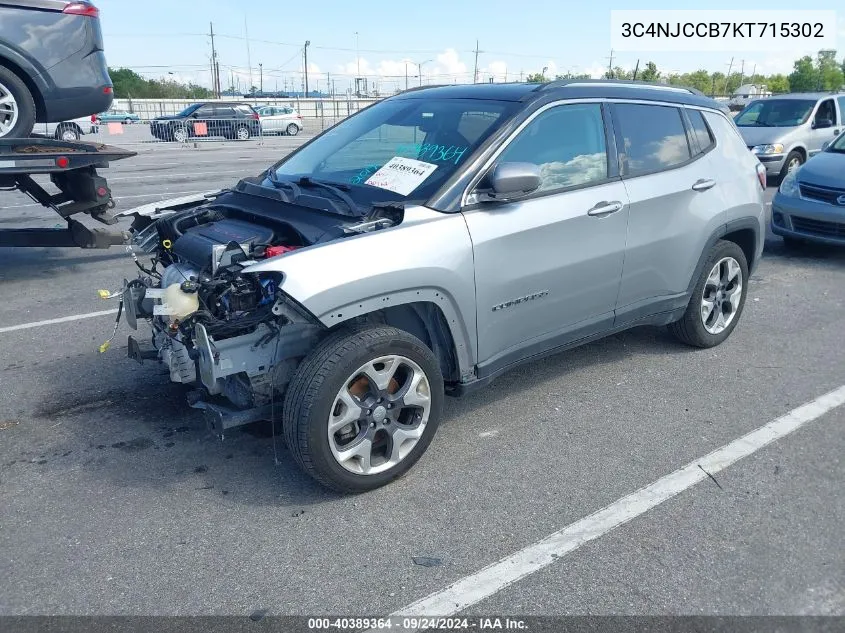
(68, 133)
(717, 298)
(17, 107)
(363, 407)
(793, 160)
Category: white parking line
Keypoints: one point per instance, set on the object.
(73, 317)
(474, 588)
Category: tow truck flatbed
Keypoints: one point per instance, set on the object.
(72, 168)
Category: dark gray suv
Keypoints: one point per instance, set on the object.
(58, 74)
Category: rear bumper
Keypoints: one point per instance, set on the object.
(808, 220)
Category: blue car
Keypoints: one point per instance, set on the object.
(810, 203)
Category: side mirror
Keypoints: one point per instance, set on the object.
(822, 123)
(825, 145)
(512, 180)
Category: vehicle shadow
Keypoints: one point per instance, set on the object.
(25, 263)
(826, 255)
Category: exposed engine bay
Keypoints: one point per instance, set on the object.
(236, 337)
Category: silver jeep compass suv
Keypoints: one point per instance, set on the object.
(434, 241)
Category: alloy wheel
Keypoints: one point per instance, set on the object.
(722, 294)
(9, 110)
(243, 134)
(379, 415)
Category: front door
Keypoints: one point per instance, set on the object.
(821, 135)
(548, 266)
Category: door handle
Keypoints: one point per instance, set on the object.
(605, 208)
(703, 184)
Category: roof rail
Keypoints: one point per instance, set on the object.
(622, 83)
(416, 88)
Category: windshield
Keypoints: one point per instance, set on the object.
(838, 145)
(398, 149)
(189, 109)
(776, 113)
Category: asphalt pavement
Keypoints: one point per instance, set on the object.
(116, 500)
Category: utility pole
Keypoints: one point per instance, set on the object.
(742, 72)
(728, 77)
(610, 65)
(636, 68)
(215, 67)
(248, 57)
(305, 54)
(261, 75)
(475, 74)
(329, 83)
(406, 75)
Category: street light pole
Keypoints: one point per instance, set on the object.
(261, 76)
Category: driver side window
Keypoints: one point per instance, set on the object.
(826, 111)
(567, 143)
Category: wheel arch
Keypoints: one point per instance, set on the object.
(427, 313)
(26, 78)
(744, 232)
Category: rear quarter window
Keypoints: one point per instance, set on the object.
(700, 130)
(653, 137)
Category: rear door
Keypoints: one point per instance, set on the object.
(675, 203)
(548, 266)
(224, 120)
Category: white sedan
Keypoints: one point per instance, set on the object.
(280, 120)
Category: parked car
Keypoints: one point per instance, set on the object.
(229, 120)
(52, 66)
(810, 203)
(122, 116)
(71, 130)
(784, 131)
(280, 120)
(437, 239)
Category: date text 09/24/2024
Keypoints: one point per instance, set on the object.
(418, 624)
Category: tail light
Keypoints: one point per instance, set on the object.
(761, 175)
(299, 116)
(256, 116)
(82, 8)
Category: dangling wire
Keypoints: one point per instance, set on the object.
(108, 341)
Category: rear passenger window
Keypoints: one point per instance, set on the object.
(567, 143)
(700, 130)
(653, 137)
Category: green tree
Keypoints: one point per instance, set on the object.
(830, 73)
(805, 76)
(618, 73)
(536, 78)
(573, 76)
(777, 84)
(650, 72)
(128, 83)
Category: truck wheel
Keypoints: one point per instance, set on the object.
(363, 407)
(17, 107)
(717, 299)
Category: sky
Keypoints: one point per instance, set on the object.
(385, 39)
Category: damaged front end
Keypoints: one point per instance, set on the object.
(235, 337)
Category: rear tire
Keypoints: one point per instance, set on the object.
(292, 129)
(334, 385)
(242, 133)
(17, 107)
(698, 329)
